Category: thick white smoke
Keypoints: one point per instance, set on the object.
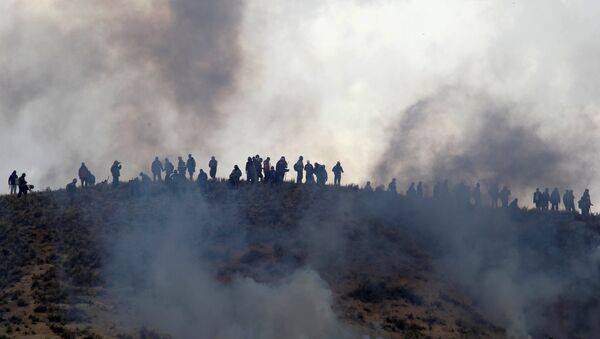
(158, 266)
(326, 79)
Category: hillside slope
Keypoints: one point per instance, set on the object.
(290, 261)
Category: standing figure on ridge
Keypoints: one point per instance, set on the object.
(23, 185)
(250, 171)
(537, 199)
(437, 190)
(585, 203)
(299, 168)
(12, 182)
(212, 164)
(569, 200)
(169, 169)
(157, 169)
(504, 195)
(258, 166)
(368, 187)
(310, 172)
(181, 166)
(191, 166)
(281, 167)
(267, 169)
(420, 190)
(71, 189)
(554, 199)
(321, 174)
(392, 186)
(337, 174)
(234, 177)
(545, 199)
(477, 195)
(494, 193)
(115, 170)
(202, 180)
(84, 174)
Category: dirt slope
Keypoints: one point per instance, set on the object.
(54, 253)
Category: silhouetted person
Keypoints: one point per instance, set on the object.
(258, 166)
(462, 194)
(392, 186)
(569, 200)
(321, 174)
(554, 199)
(181, 166)
(191, 166)
(272, 175)
(202, 180)
(537, 199)
(84, 174)
(420, 190)
(411, 192)
(310, 172)
(337, 174)
(212, 165)
(169, 169)
(504, 195)
(380, 189)
(177, 181)
(23, 186)
(157, 169)
(266, 165)
(281, 167)
(368, 187)
(234, 177)
(437, 190)
(12, 182)
(145, 178)
(250, 171)
(477, 195)
(299, 168)
(545, 199)
(71, 189)
(494, 195)
(585, 203)
(115, 170)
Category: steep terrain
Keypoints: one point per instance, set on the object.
(151, 262)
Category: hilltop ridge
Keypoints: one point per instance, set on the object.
(118, 262)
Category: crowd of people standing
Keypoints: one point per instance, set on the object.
(259, 170)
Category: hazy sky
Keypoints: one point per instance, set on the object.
(330, 79)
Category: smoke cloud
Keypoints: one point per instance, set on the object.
(95, 82)
(329, 80)
(167, 266)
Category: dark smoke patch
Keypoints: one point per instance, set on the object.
(107, 81)
(468, 138)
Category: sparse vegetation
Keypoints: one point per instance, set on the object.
(53, 252)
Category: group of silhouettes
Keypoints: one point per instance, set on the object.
(262, 170)
(256, 169)
(463, 195)
(18, 183)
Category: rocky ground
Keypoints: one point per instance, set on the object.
(379, 265)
